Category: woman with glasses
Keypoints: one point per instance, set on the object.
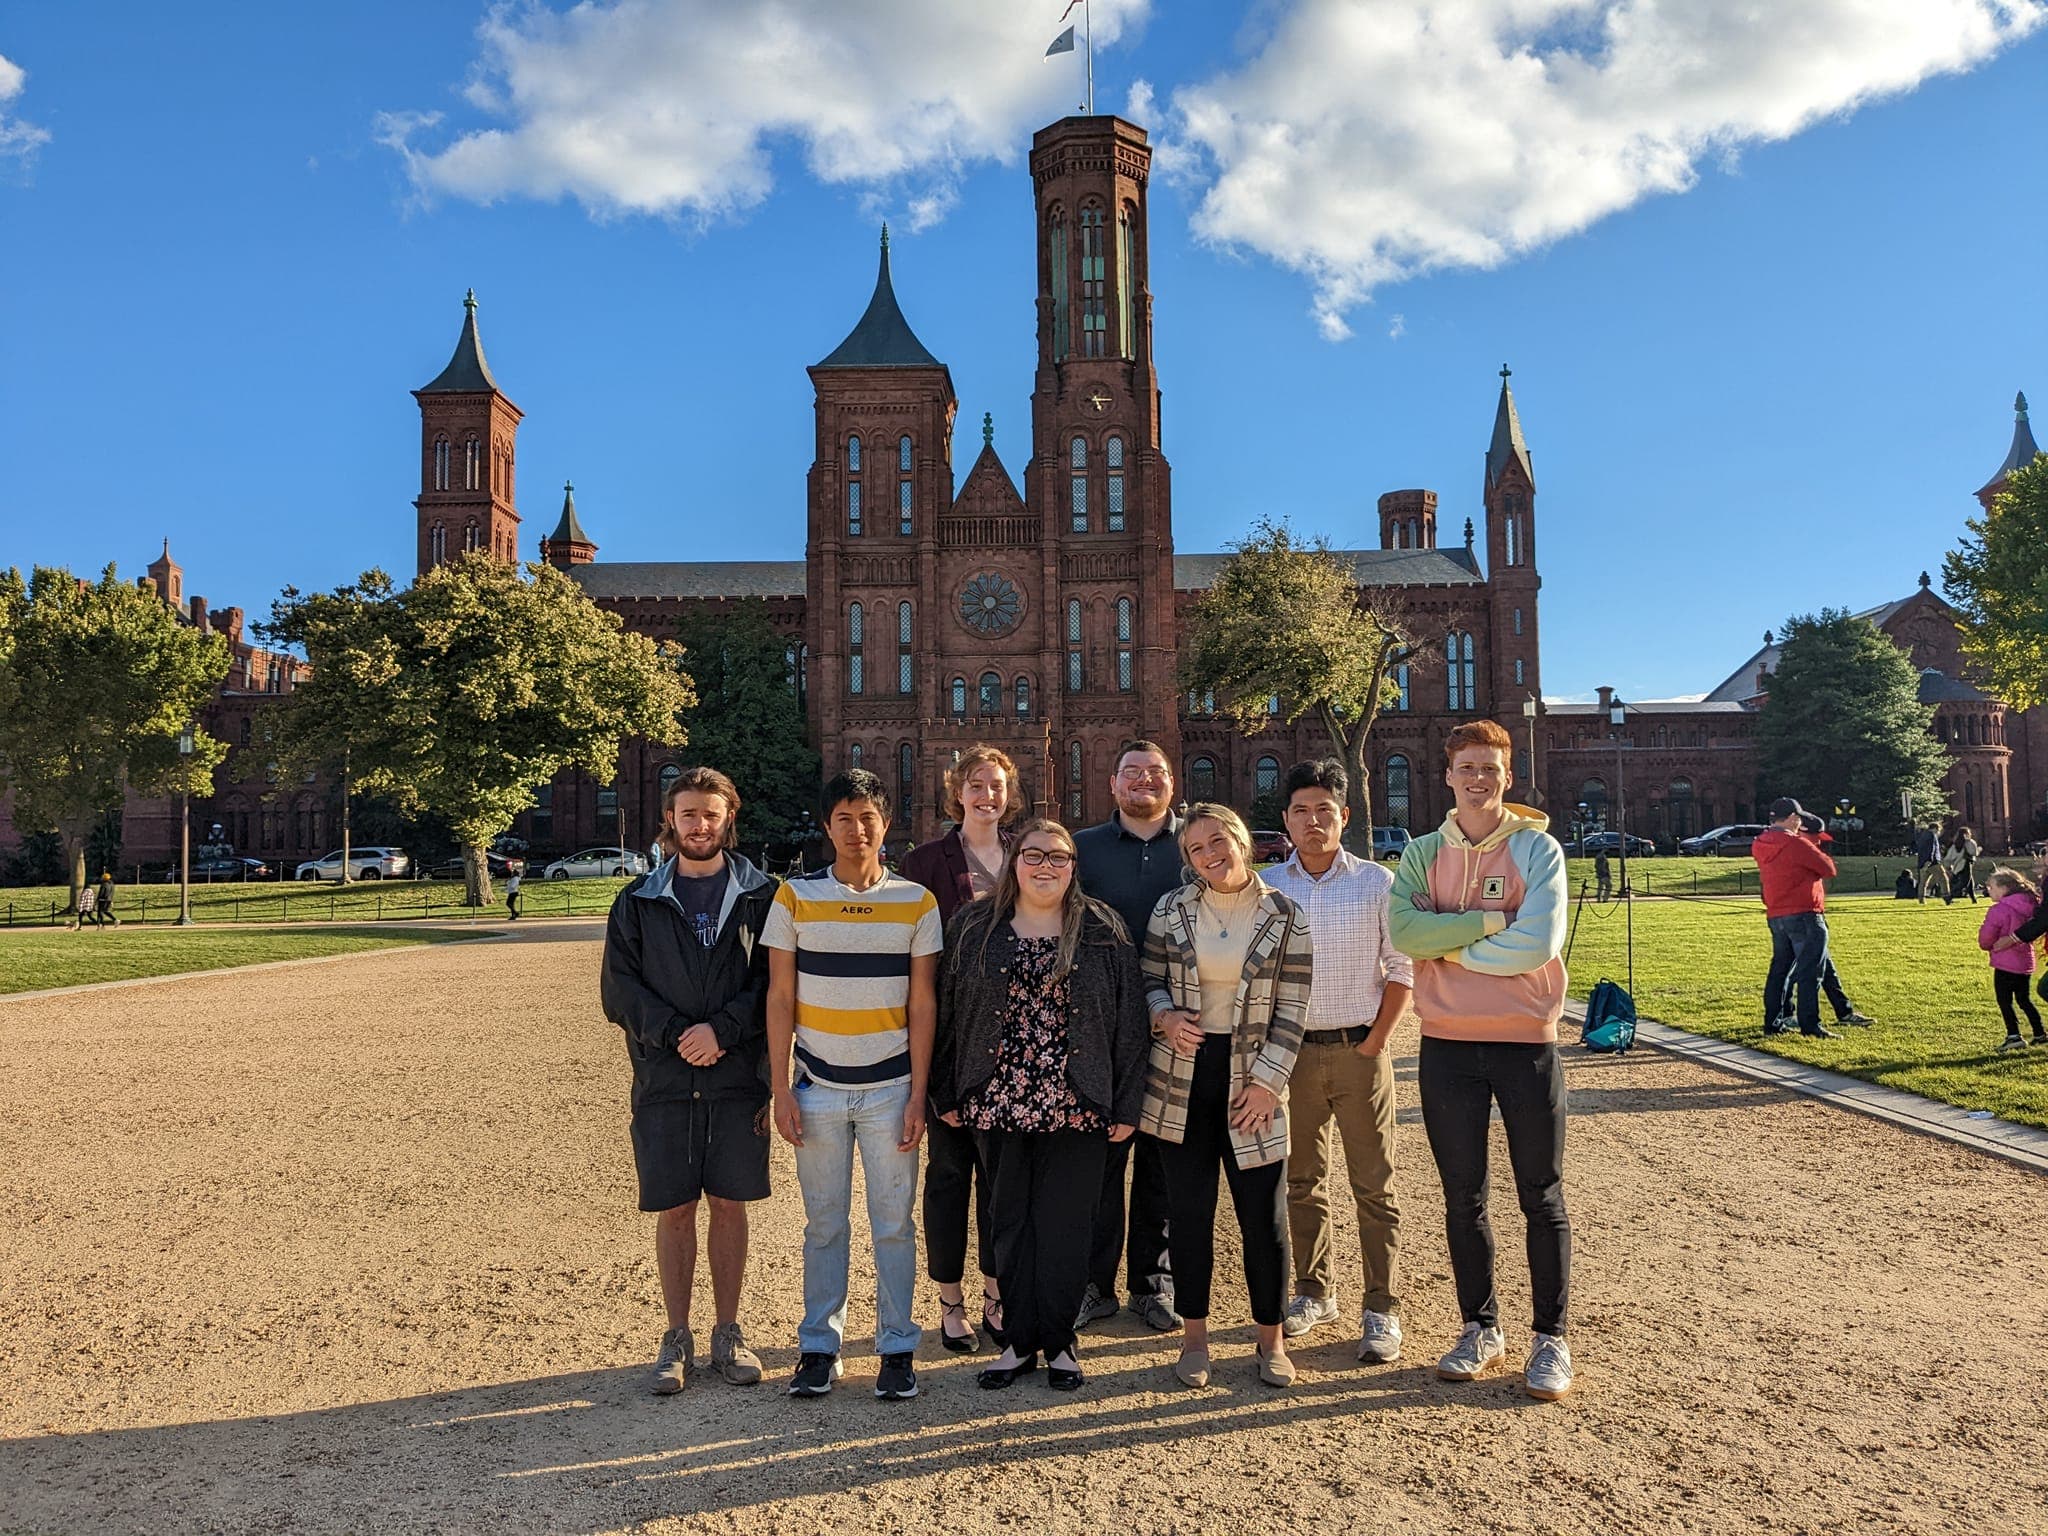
(1226, 965)
(961, 868)
(1040, 1057)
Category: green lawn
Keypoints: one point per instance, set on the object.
(1666, 875)
(1915, 969)
(32, 960)
(297, 902)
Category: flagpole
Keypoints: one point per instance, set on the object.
(1088, 26)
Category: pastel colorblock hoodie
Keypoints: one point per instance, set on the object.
(1485, 924)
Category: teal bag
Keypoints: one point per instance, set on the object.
(1610, 1019)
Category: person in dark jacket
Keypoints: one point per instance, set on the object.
(686, 976)
(959, 869)
(1040, 1052)
(1846, 1012)
(1791, 871)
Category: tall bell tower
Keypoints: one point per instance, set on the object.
(467, 434)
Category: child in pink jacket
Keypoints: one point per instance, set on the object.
(2013, 902)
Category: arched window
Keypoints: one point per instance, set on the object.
(1113, 457)
(903, 648)
(1094, 308)
(608, 812)
(1125, 624)
(1518, 671)
(1074, 767)
(853, 455)
(1684, 821)
(248, 730)
(670, 772)
(1056, 245)
(1518, 621)
(803, 673)
(853, 757)
(437, 544)
(903, 494)
(473, 466)
(1073, 645)
(906, 758)
(1593, 796)
(853, 499)
(1202, 779)
(989, 696)
(470, 538)
(1458, 671)
(1077, 483)
(440, 463)
(1940, 728)
(856, 642)
(1023, 696)
(1126, 284)
(903, 454)
(1265, 775)
(1514, 540)
(1405, 702)
(958, 699)
(1397, 791)
(1401, 534)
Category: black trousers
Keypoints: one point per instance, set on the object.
(1460, 1081)
(1041, 1232)
(2010, 987)
(1145, 1240)
(953, 1174)
(1799, 952)
(1258, 1195)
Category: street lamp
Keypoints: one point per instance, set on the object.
(186, 747)
(1529, 708)
(1618, 718)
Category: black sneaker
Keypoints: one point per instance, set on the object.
(1820, 1032)
(814, 1374)
(1779, 1026)
(897, 1378)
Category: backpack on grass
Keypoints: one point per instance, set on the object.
(1610, 1019)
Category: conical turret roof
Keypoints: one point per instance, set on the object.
(2023, 449)
(467, 373)
(570, 529)
(1507, 446)
(883, 339)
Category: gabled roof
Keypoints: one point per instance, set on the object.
(1648, 707)
(1740, 685)
(2023, 448)
(691, 578)
(988, 488)
(570, 529)
(1369, 568)
(1507, 446)
(467, 373)
(883, 339)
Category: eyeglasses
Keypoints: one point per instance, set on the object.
(1145, 775)
(1056, 858)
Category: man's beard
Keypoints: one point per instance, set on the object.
(699, 850)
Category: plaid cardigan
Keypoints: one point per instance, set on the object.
(1272, 1003)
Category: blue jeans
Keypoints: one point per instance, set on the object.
(836, 1121)
(1799, 953)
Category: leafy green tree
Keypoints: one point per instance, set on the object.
(1842, 720)
(747, 721)
(1285, 616)
(1997, 578)
(497, 681)
(97, 680)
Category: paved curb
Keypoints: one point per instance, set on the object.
(2022, 1144)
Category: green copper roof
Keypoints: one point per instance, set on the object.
(2023, 449)
(883, 339)
(1507, 445)
(467, 373)
(569, 530)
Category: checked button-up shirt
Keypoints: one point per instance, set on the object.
(1347, 923)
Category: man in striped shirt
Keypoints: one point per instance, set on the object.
(1359, 990)
(852, 961)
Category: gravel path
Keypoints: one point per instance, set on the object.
(353, 1249)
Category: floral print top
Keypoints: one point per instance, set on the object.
(1029, 1091)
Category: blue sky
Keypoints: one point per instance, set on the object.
(1762, 359)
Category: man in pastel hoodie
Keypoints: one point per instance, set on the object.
(1479, 905)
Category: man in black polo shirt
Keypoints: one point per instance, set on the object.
(1130, 861)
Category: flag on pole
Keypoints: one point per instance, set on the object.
(1064, 43)
(1069, 10)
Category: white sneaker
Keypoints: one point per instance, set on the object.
(1381, 1340)
(1548, 1374)
(1306, 1312)
(1478, 1352)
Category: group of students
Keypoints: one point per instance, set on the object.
(1054, 1010)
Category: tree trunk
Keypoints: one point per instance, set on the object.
(476, 876)
(344, 817)
(1348, 746)
(74, 861)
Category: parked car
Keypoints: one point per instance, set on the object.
(363, 864)
(1270, 847)
(594, 862)
(1734, 839)
(211, 870)
(500, 867)
(1390, 843)
(1610, 842)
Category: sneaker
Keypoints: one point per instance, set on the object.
(815, 1373)
(897, 1378)
(1157, 1311)
(1548, 1374)
(1306, 1312)
(1478, 1352)
(2013, 1043)
(731, 1358)
(2040, 1040)
(1782, 1024)
(1381, 1338)
(1094, 1307)
(678, 1358)
(1821, 1032)
(1857, 1017)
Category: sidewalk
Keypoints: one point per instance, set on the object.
(2022, 1144)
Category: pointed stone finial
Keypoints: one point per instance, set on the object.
(1769, 638)
(1468, 533)
(1505, 373)
(568, 488)
(988, 429)
(1924, 582)
(2019, 405)
(885, 234)
(469, 300)
(167, 546)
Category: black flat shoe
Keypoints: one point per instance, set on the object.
(963, 1343)
(997, 1377)
(1063, 1381)
(990, 1326)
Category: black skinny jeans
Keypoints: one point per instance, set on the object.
(1460, 1081)
(1259, 1196)
(1145, 1237)
(2010, 987)
(1041, 1231)
(953, 1165)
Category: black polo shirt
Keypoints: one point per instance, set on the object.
(1130, 873)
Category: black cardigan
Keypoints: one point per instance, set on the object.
(1108, 1026)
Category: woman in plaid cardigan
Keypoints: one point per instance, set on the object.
(1226, 965)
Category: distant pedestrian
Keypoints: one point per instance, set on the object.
(2015, 903)
(1603, 876)
(1927, 860)
(1846, 1012)
(103, 910)
(1961, 865)
(1903, 888)
(1791, 870)
(88, 904)
(512, 897)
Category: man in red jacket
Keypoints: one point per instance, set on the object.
(1790, 869)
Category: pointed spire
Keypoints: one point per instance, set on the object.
(883, 339)
(1507, 446)
(570, 529)
(988, 429)
(1468, 535)
(2022, 451)
(1924, 582)
(467, 373)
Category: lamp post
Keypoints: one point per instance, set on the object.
(1617, 717)
(185, 750)
(1529, 708)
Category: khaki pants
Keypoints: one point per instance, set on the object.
(1335, 1083)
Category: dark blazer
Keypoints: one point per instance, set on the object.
(940, 866)
(1107, 1024)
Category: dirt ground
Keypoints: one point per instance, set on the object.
(353, 1249)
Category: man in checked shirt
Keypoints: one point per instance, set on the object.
(1359, 990)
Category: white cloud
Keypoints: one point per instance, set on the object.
(1366, 143)
(19, 139)
(675, 107)
(1397, 327)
